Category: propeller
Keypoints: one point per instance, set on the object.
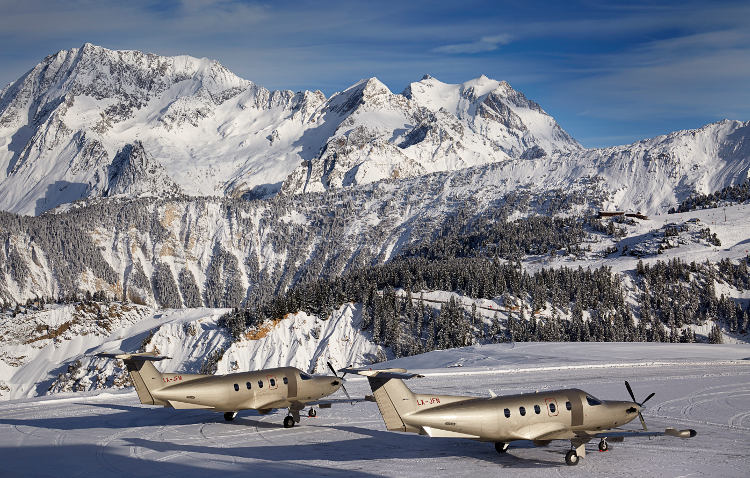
(640, 405)
(342, 379)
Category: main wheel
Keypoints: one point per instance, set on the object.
(312, 413)
(229, 416)
(571, 458)
(501, 447)
(603, 445)
(288, 421)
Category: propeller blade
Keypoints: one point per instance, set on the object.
(345, 392)
(647, 398)
(630, 391)
(332, 369)
(643, 422)
(330, 366)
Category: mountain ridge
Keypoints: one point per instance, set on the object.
(64, 121)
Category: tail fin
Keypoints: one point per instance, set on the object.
(393, 397)
(143, 373)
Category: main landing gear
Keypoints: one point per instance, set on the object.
(571, 458)
(293, 417)
(577, 451)
(229, 416)
(501, 447)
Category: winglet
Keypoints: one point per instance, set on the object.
(689, 433)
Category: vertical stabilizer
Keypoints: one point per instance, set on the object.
(144, 375)
(395, 400)
(145, 378)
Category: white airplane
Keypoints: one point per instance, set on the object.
(569, 414)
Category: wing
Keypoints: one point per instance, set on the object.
(300, 404)
(327, 402)
(618, 433)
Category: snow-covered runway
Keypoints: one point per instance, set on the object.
(701, 387)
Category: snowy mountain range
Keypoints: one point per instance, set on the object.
(203, 190)
(91, 122)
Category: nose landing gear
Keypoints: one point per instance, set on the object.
(603, 445)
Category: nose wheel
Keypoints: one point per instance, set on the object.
(312, 413)
(603, 445)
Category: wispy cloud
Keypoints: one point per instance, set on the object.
(624, 65)
(486, 43)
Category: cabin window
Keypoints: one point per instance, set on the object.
(304, 376)
(552, 408)
(537, 410)
(507, 413)
(248, 385)
(272, 382)
(593, 401)
(236, 387)
(260, 383)
(568, 406)
(522, 411)
(286, 381)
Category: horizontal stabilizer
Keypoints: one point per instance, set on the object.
(386, 373)
(150, 356)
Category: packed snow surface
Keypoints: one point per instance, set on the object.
(705, 387)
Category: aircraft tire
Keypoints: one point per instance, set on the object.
(571, 458)
(603, 445)
(229, 416)
(288, 421)
(312, 413)
(501, 447)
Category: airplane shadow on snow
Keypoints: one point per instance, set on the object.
(369, 444)
(91, 459)
(374, 445)
(133, 416)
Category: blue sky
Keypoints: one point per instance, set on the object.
(610, 72)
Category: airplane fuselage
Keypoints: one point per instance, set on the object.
(262, 390)
(540, 416)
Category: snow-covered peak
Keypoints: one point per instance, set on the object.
(367, 91)
(455, 98)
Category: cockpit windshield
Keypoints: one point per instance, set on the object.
(304, 376)
(593, 401)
